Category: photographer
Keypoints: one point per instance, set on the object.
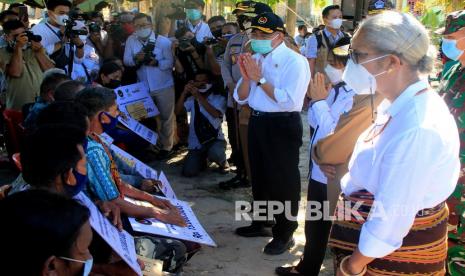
(194, 20)
(151, 54)
(25, 61)
(206, 140)
(98, 37)
(86, 70)
(57, 34)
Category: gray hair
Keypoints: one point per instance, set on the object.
(400, 34)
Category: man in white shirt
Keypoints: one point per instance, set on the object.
(54, 39)
(151, 53)
(274, 82)
(194, 20)
(319, 45)
(206, 139)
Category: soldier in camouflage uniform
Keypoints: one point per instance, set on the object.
(453, 90)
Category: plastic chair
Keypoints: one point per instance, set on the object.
(14, 131)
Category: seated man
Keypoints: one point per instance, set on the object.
(105, 182)
(206, 140)
(55, 230)
(47, 95)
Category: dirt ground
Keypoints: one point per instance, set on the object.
(215, 209)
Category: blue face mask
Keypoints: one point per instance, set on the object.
(193, 14)
(87, 264)
(111, 125)
(228, 36)
(81, 182)
(262, 46)
(449, 48)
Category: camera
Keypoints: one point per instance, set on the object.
(32, 37)
(184, 43)
(69, 32)
(94, 28)
(211, 41)
(148, 53)
(178, 13)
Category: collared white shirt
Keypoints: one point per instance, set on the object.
(50, 36)
(159, 77)
(90, 63)
(288, 72)
(323, 116)
(201, 30)
(411, 165)
(311, 49)
(219, 103)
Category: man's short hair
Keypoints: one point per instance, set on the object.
(64, 114)
(328, 9)
(96, 99)
(302, 27)
(142, 15)
(46, 223)
(15, 5)
(5, 14)
(52, 4)
(12, 25)
(216, 18)
(50, 152)
(95, 14)
(51, 81)
(67, 91)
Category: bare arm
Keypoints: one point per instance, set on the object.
(215, 67)
(15, 67)
(312, 62)
(208, 107)
(44, 62)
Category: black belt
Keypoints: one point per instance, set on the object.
(257, 113)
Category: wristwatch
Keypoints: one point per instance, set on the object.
(261, 81)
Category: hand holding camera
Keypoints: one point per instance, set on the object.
(146, 55)
(21, 41)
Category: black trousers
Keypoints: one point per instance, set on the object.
(316, 233)
(234, 141)
(274, 144)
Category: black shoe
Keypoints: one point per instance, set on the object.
(286, 271)
(233, 183)
(277, 246)
(165, 154)
(254, 230)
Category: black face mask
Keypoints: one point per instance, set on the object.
(113, 84)
(217, 33)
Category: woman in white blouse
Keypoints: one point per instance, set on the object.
(404, 166)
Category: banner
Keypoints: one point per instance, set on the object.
(135, 101)
(138, 128)
(192, 232)
(121, 242)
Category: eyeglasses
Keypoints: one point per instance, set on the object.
(138, 27)
(356, 56)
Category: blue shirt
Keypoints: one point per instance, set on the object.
(312, 43)
(101, 183)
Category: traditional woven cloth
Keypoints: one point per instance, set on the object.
(423, 251)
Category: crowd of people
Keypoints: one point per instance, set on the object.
(385, 148)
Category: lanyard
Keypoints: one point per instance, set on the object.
(51, 29)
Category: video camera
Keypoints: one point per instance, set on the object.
(94, 28)
(148, 53)
(69, 32)
(32, 37)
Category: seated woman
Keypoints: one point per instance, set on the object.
(54, 229)
(207, 106)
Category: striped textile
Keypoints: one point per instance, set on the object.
(424, 249)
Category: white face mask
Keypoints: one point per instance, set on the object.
(144, 33)
(334, 75)
(207, 87)
(336, 23)
(357, 77)
(61, 19)
(83, 38)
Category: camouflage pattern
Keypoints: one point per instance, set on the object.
(454, 22)
(453, 90)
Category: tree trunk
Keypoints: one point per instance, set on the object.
(291, 17)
